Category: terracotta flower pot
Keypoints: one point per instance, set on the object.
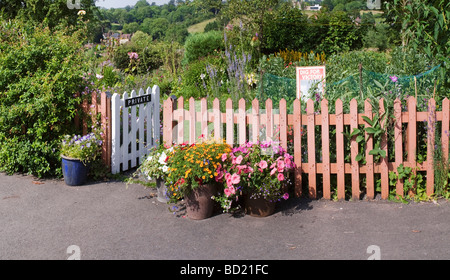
(199, 204)
(258, 206)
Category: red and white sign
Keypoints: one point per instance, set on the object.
(307, 77)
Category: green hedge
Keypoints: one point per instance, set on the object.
(39, 73)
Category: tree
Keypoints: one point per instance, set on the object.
(424, 25)
(50, 12)
(251, 14)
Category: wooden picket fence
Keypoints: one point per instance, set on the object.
(128, 131)
(223, 125)
(135, 129)
(99, 103)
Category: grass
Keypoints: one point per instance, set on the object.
(199, 27)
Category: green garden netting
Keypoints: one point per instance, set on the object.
(373, 84)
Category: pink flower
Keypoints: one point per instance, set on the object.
(227, 192)
(273, 172)
(263, 164)
(227, 176)
(232, 190)
(235, 179)
(219, 175)
(280, 164)
(229, 182)
(273, 165)
(280, 177)
(287, 161)
(239, 159)
(224, 157)
(285, 196)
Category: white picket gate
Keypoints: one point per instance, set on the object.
(135, 127)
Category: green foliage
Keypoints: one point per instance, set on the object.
(200, 45)
(423, 25)
(287, 28)
(39, 73)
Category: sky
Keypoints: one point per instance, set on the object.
(123, 3)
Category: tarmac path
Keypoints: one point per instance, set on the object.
(48, 220)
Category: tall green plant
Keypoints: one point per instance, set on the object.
(40, 71)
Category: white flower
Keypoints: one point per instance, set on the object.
(162, 158)
(99, 76)
(165, 168)
(81, 12)
(202, 76)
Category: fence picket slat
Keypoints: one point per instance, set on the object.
(125, 118)
(370, 182)
(116, 155)
(269, 120)
(156, 124)
(384, 161)
(445, 128)
(311, 149)
(181, 118)
(298, 147)
(167, 122)
(193, 120)
(430, 145)
(217, 119)
(255, 120)
(133, 131)
(140, 143)
(412, 132)
(242, 124)
(149, 118)
(340, 150)
(283, 123)
(325, 150)
(398, 148)
(204, 119)
(354, 149)
(230, 122)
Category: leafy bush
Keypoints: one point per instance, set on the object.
(202, 44)
(39, 73)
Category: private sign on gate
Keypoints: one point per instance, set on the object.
(307, 77)
(138, 100)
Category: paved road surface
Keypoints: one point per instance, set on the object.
(42, 219)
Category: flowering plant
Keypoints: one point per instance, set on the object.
(155, 165)
(256, 170)
(85, 148)
(191, 166)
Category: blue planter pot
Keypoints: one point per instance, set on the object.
(74, 171)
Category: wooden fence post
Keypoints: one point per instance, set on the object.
(326, 150)
(412, 134)
(167, 122)
(311, 149)
(398, 137)
(354, 149)
(340, 150)
(384, 160)
(431, 122)
(370, 181)
(298, 147)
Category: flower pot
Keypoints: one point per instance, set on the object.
(74, 171)
(258, 206)
(161, 190)
(199, 204)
